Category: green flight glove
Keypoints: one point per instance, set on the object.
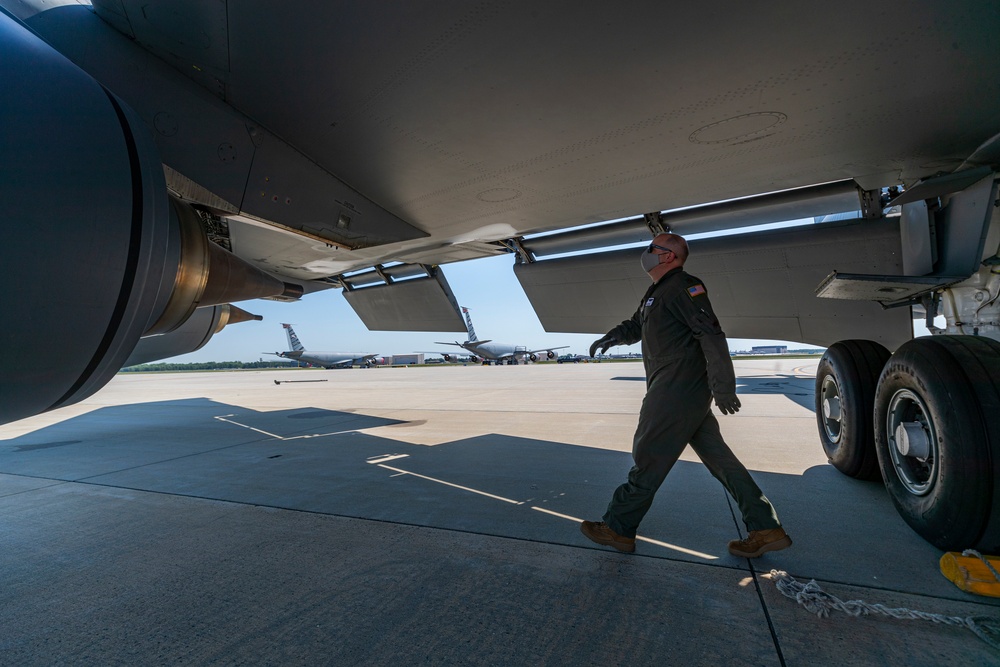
(728, 403)
(604, 343)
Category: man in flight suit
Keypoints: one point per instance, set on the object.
(686, 357)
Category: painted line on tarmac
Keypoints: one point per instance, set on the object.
(665, 545)
(456, 486)
(640, 538)
(386, 458)
(222, 418)
(230, 421)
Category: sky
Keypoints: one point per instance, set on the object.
(324, 321)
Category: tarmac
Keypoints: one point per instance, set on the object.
(402, 516)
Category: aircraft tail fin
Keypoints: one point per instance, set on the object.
(293, 340)
(468, 325)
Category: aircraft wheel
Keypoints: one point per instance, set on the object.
(845, 396)
(938, 439)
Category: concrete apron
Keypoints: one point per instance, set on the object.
(220, 520)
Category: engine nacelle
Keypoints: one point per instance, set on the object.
(96, 252)
(190, 336)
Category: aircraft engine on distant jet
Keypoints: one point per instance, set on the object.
(545, 355)
(99, 253)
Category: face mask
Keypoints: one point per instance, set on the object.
(649, 260)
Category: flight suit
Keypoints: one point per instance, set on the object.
(687, 360)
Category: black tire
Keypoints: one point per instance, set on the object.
(947, 388)
(847, 376)
(980, 359)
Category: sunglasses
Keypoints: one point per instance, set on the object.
(653, 246)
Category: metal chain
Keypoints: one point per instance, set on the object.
(814, 599)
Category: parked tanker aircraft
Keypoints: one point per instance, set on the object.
(497, 353)
(166, 156)
(298, 352)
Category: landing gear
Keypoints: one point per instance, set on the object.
(845, 396)
(928, 420)
(937, 434)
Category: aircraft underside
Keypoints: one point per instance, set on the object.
(156, 170)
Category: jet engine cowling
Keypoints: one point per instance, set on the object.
(95, 249)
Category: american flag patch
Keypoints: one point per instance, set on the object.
(696, 290)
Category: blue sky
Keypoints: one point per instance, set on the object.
(324, 321)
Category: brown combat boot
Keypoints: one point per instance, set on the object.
(598, 531)
(760, 542)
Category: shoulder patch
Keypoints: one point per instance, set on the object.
(696, 290)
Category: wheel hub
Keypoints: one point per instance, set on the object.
(832, 413)
(831, 408)
(913, 440)
(913, 444)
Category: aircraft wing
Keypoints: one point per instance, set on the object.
(307, 159)
(291, 354)
(591, 128)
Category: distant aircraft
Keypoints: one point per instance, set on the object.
(497, 353)
(325, 359)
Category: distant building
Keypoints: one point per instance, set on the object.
(406, 359)
(769, 349)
